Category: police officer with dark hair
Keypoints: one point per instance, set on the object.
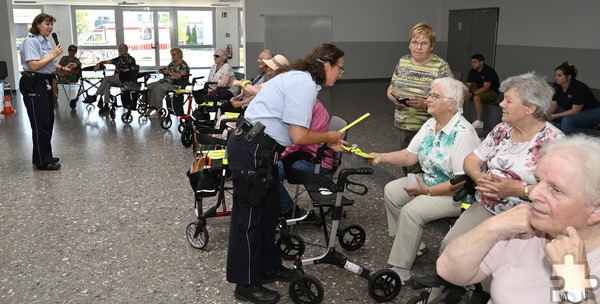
(38, 60)
(279, 115)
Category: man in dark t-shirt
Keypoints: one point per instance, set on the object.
(483, 84)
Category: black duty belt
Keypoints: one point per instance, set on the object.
(38, 75)
(263, 139)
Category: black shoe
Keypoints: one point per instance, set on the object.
(299, 212)
(55, 159)
(49, 167)
(280, 275)
(256, 294)
(104, 109)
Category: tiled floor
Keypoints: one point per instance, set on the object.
(109, 226)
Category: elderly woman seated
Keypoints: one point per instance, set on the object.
(503, 165)
(547, 251)
(440, 146)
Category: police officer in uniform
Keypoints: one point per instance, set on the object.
(38, 61)
(279, 115)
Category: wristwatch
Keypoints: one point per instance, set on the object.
(573, 295)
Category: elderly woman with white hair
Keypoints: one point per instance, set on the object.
(547, 251)
(510, 152)
(440, 146)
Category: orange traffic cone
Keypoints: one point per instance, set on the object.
(8, 109)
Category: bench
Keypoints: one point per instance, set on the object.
(492, 114)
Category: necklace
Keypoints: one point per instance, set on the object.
(521, 146)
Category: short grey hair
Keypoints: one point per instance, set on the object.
(223, 54)
(453, 89)
(531, 89)
(582, 152)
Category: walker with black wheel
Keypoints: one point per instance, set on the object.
(207, 177)
(384, 285)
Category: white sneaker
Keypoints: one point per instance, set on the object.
(478, 124)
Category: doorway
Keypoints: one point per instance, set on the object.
(148, 36)
(472, 31)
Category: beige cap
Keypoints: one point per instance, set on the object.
(279, 61)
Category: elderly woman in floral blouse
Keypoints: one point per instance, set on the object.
(440, 146)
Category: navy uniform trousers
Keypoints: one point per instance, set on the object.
(252, 250)
(40, 109)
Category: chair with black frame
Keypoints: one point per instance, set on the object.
(92, 81)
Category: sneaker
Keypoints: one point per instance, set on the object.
(299, 212)
(256, 294)
(478, 124)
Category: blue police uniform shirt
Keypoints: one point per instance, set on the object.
(286, 99)
(36, 47)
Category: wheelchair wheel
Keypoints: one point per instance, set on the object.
(162, 113)
(290, 245)
(307, 290)
(199, 241)
(127, 117)
(166, 123)
(352, 237)
(384, 285)
(112, 113)
(187, 137)
(73, 104)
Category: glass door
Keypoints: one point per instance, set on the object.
(148, 35)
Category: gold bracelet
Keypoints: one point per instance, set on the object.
(527, 191)
(428, 190)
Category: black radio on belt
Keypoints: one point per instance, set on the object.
(253, 133)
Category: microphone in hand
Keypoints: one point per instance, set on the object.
(55, 37)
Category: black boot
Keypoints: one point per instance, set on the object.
(256, 294)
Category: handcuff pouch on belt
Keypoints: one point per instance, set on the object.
(258, 183)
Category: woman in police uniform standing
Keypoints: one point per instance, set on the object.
(278, 116)
(38, 60)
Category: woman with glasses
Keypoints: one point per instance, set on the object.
(503, 164)
(440, 146)
(411, 79)
(176, 73)
(224, 76)
(64, 76)
(279, 116)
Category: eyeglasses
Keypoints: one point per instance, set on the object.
(421, 44)
(173, 54)
(342, 69)
(435, 96)
(217, 56)
(72, 50)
